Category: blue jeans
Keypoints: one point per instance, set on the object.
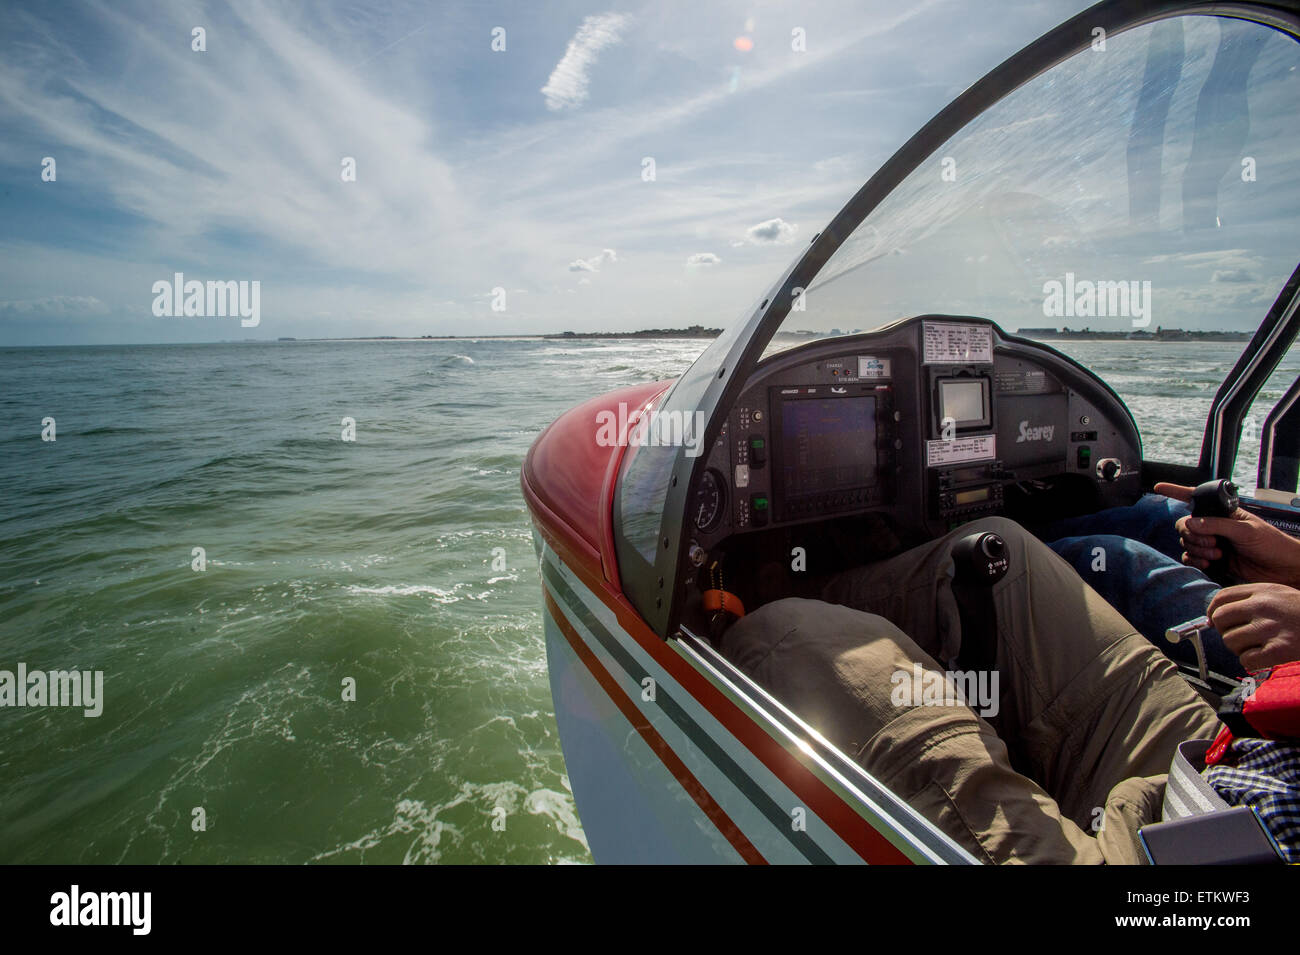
(1150, 520)
(1146, 582)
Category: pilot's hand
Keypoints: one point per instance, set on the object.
(1260, 623)
(1261, 552)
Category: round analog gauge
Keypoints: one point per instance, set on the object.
(706, 502)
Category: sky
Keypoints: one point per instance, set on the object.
(520, 168)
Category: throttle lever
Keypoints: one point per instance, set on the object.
(1191, 631)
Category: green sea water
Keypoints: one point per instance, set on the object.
(400, 561)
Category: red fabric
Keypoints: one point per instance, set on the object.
(1273, 710)
(1220, 746)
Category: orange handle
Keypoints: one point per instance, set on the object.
(715, 600)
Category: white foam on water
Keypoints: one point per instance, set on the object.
(416, 819)
(419, 590)
(560, 809)
(390, 590)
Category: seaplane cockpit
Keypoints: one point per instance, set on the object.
(846, 450)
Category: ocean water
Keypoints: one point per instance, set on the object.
(401, 561)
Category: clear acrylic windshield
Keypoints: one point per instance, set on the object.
(1150, 182)
(646, 470)
(1149, 185)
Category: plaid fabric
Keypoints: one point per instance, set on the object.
(1265, 775)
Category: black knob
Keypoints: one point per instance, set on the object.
(980, 558)
(1217, 499)
(993, 546)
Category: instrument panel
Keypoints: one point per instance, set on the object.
(934, 421)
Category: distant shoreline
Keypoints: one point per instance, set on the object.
(1140, 335)
(694, 332)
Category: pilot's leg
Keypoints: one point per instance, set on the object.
(1086, 701)
(1151, 520)
(849, 673)
(1152, 591)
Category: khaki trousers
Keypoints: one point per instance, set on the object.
(1088, 717)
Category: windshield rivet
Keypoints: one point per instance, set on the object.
(665, 543)
(661, 583)
(674, 480)
(764, 305)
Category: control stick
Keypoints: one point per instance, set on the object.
(1217, 499)
(980, 560)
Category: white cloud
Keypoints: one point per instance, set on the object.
(285, 125)
(594, 263)
(567, 86)
(702, 259)
(773, 231)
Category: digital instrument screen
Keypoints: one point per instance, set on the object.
(829, 444)
(971, 496)
(965, 401)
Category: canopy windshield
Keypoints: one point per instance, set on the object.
(1145, 178)
(1151, 184)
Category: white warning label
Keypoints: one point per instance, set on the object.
(980, 448)
(953, 344)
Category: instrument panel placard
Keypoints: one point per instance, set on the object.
(947, 343)
(981, 447)
(871, 367)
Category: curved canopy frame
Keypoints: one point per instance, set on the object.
(711, 386)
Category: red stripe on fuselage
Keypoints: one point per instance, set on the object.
(811, 790)
(694, 788)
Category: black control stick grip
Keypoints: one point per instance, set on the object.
(1217, 499)
(981, 558)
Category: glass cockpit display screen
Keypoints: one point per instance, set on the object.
(828, 444)
(965, 401)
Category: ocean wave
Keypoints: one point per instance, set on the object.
(419, 590)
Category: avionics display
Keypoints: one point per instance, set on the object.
(828, 444)
(973, 496)
(965, 400)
